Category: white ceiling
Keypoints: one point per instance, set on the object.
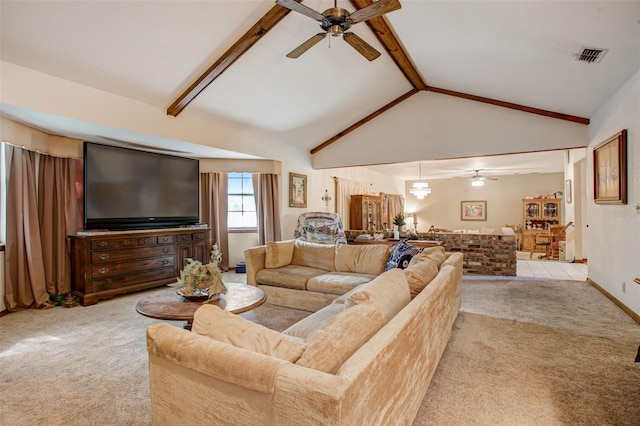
(150, 51)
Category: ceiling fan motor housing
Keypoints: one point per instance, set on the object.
(336, 21)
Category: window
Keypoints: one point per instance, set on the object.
(242, 203)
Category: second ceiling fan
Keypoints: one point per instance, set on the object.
(336, 21)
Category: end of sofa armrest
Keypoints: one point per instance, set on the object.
(254, 258)
(213, 358)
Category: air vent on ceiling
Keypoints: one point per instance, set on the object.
(591, 55)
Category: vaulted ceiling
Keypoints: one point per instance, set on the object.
(516, 56)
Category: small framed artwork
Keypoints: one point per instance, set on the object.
(567, 191)
(473, 210)
(610, 170)
(297, 190)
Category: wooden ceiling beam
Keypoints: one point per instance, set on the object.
(392, 45)
(363, 121)
(251, 37)
(531, 110)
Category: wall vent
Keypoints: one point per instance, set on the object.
(591, 55)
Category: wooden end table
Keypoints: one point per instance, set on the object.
(168, 305)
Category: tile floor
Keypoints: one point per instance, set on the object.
(551, 269)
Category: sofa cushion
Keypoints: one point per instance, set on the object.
(337, 339)
(420, 274)
(215, 323)
(307, 326)
(436, 254)
(362, 259)
(278, 253)
(290, 276)
(401, 255)
(388, 292)
(320, 256)
(337, 282)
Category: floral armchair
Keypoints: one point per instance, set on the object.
(320, 227)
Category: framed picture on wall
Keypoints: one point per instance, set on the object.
(297, 190)
(610, 170)
(473, 210)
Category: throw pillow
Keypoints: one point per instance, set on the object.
(420, 274)
(213, 322)
(278, 254)
(428, 254)
(401, 255)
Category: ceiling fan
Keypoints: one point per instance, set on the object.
(478, 180)
(336, 21)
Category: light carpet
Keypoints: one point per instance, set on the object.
(522, 352)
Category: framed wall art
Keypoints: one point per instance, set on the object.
(610, 170)
(473, 210)
(297, 190)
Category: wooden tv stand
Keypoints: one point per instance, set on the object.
(110, 263)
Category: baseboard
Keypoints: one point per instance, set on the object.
(618, 303)
(580, 261)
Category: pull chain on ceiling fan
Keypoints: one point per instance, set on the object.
(336, 21)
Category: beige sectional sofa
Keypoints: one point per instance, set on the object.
(366, 358)
(308, 276)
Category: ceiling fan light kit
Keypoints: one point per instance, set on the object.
(336, 21)
(477, 182)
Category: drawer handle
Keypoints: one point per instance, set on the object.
(165, 262)
(146, 240)
(125, 243)
(103, 271)
(103, 244)
(165, 250)
(104, 256)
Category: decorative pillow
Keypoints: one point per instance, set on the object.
(340, 337)
(388, 292)
(401, 255)
(213, 322)
(278, 254)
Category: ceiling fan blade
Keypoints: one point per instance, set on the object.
(375, 9)
(300, 8)
(361, 46)
(306, 45)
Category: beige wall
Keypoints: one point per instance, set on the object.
(504, 200)
(613, 236)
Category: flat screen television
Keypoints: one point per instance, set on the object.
(131, 189)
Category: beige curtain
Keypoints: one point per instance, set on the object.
(392, 204)
(24, 266)
(267, 195)
(58, 216)
(213, 210)
(345, 188)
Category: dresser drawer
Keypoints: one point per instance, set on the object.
(201, 236)
(113, 243)
(184, 237)
(125, 281)
(110, 269)
(107, 256)
(166, 239)
(146, 241)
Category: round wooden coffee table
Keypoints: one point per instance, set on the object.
(168, 305)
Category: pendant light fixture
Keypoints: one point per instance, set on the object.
(420, 189)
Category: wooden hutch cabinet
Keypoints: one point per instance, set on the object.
(537, 215)
(106, 264)
(365, 213)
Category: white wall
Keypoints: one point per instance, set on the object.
(614, 230)
(504, 200)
